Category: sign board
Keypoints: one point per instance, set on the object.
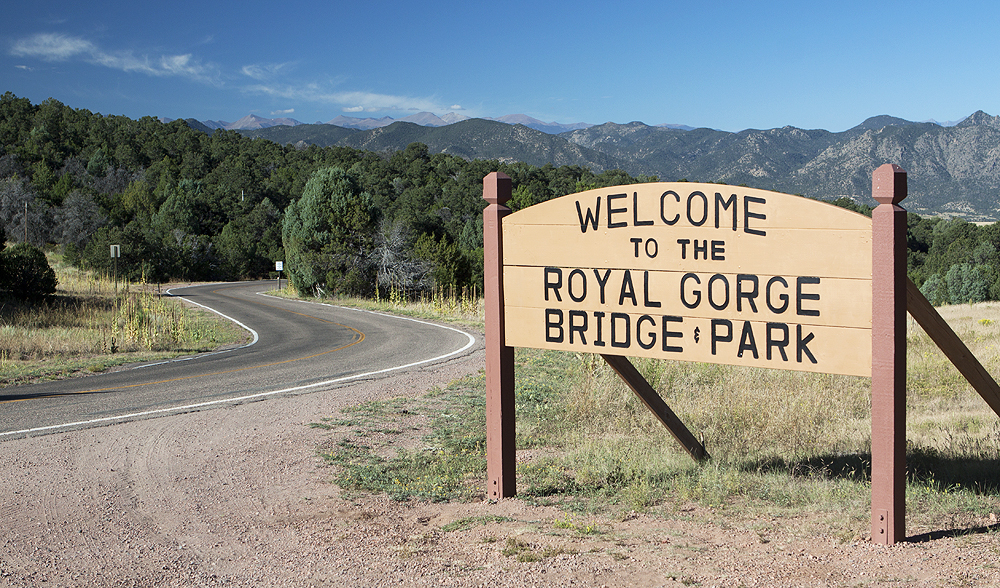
(712, 273)
(116, 251)
(691, 271)
(279, 266)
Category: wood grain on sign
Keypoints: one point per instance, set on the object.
(718, 273)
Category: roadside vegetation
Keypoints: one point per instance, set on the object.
(91, 323)
(783, 444)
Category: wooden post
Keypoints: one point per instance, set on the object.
(888, 356)
(501, 463)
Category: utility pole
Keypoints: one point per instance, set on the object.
(25, 221)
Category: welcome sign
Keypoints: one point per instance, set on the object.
(691, 271)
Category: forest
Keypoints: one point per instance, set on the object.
(186, 205)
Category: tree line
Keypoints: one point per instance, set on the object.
(183, 204)
(187, 205)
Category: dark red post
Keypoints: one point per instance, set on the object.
(889, 356)
(501, 463)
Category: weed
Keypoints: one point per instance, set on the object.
(469, 522)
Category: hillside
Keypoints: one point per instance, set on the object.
(469, 139)
(954, 171)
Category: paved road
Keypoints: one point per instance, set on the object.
(297, 347)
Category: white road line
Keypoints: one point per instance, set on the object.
(256, 337)
(189, 407)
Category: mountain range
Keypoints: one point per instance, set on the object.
(952, 170)
(426, 119)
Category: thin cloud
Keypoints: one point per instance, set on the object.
(286, 111)
(264, 71)
(348, 101)
(56, 47)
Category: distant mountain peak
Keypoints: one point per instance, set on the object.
(252, 121)
(978, 118)
(880, 122)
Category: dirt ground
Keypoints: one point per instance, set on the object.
(239, 497)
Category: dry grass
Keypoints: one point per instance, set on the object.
(944, 414)
(92, 324)
(446, 304)
(782, 443)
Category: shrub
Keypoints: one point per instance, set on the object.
(25, 272)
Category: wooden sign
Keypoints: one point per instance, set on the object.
(689, 271)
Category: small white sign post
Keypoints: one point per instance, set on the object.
(278, 266)
(116, 252)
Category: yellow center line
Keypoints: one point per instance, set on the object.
(358, 338)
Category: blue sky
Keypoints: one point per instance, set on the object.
(725, 65)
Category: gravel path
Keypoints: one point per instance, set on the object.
(238, 497)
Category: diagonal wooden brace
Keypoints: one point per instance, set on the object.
(954, 349)
(624, 368)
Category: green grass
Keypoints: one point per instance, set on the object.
(445, 465)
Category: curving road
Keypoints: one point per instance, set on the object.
(296, 347)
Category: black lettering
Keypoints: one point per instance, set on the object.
(627, 330)
(569, 285)
(636, 241)
(677, 216)
(645, 292)
(635, 212)
(801, 345)
(599, 341)
(667, 334)
(684, 249)
(716, 337)
(747, 215)
(704, 209)
(652, 333)
(554, 286)
(593, 216)
(628, 290)
(780, 344)
(656, 248)
(740, 294)
(747, 342)
(703, 249)
(800, 296)
(782, 297)
(718, 251)
(613, 211)
(697, 293)
(580, 329)
(551, 325)
(602, 283)
(711, 291)
(725, 206)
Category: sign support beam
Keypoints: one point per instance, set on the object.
(941, 333)
(501, 463)
(888, 356)
(627, 372)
